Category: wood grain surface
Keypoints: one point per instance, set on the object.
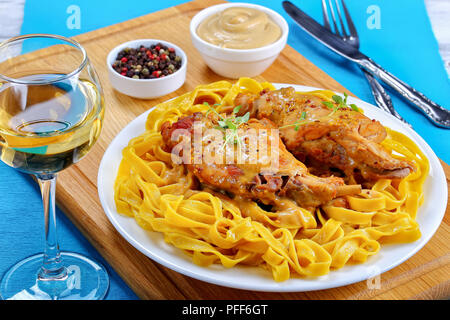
(424, 276)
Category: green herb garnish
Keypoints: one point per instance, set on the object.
(297, 123)
(339, 103)
(231, 124)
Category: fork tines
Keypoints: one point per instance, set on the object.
(342, 32)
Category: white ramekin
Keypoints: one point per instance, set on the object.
(146, 88)
(235, 63)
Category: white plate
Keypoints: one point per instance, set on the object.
(152, 244)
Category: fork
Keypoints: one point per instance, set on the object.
(382, 99)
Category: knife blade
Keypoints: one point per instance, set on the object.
(437, 114)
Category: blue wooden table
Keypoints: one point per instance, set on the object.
(401, 40)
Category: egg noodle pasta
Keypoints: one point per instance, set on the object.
(293, 241)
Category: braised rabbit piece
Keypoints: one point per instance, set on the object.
(327, 135)
(257, 179)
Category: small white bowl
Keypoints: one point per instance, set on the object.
(146, 88)
(235, 63)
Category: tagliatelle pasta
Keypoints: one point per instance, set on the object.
(214, 228)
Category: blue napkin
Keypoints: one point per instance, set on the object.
(22, 229)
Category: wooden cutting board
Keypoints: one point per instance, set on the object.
(424, 276)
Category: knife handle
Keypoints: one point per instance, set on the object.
(437, 114)
(382, 99)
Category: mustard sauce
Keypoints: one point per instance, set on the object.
(239, 28)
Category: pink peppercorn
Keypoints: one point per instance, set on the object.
(154, 61)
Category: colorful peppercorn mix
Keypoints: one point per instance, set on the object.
(151, 62)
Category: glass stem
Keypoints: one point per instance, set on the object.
(52, 268)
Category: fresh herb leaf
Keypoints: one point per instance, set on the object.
(222, 123)
(328, 104)
(303, 115)
(337, 99)
(245, 117)
(354, 107)
(301, 120)
(339, 103)
(231, 126)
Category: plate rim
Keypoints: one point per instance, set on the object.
(276, 286)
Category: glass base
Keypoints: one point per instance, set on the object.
(85, 280)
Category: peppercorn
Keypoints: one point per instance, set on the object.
(143, 62)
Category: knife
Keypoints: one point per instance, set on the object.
(437, 114)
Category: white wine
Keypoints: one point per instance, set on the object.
(44, 128)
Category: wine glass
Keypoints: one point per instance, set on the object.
(51, 113)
